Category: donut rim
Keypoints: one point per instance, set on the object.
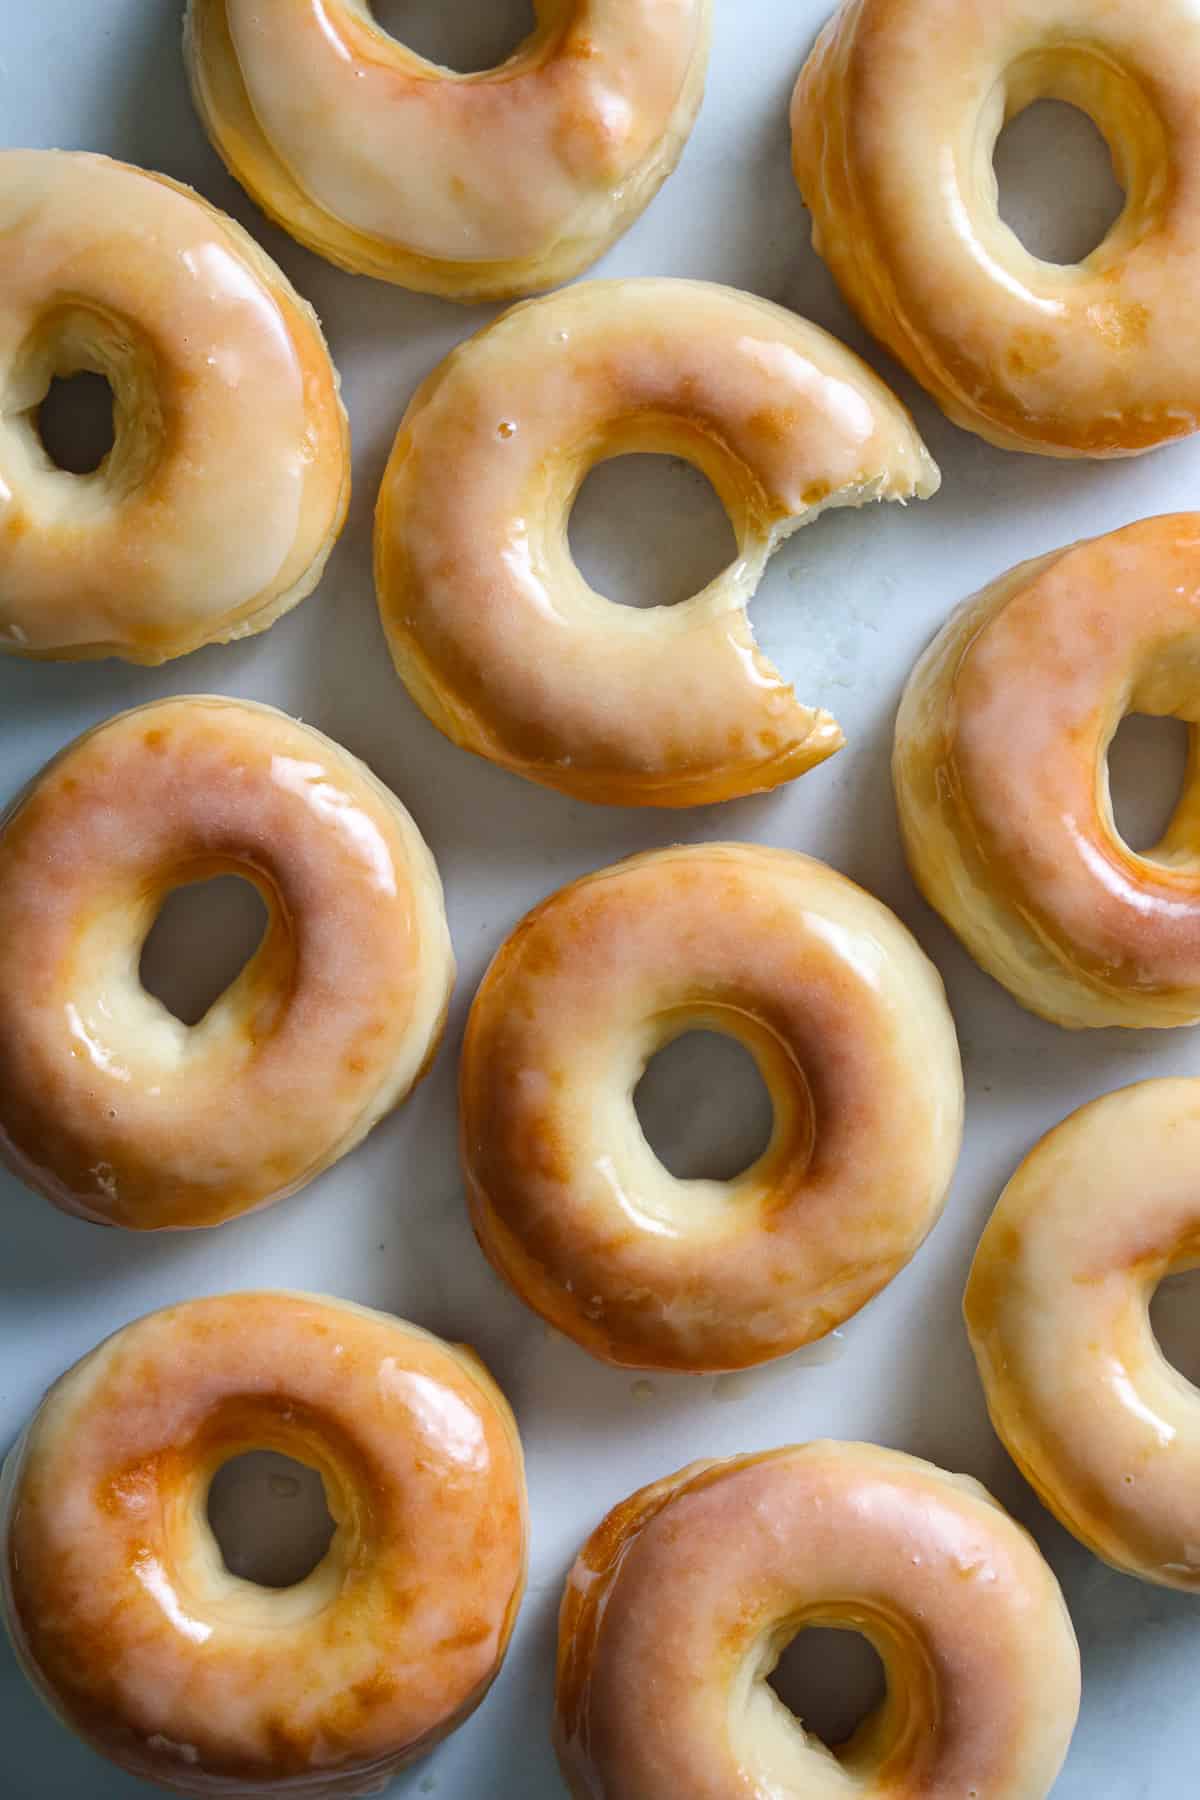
(1173, 1403)
(760, 522)
(704, 1211)
(273, 959)
(319, 1445)
(1086, 73)
(999, 930)
(901, 1643)
(227, 113)
(83, 337)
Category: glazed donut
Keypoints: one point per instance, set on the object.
(125, 1616)
(493, 629)
(109, 1105)
(476, 187)
(848, 1024)
(894, 123)
(1097, 1420)
(681, 1603)
(1002, 778)
(229, 476)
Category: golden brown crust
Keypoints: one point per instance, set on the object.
(490, 623)
(894, 121)
(229, 477)
(1002, 781)
(125, 1616)
(725, 1562)
(108, 1104)
(849, 1026)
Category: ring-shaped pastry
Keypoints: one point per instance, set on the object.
(1101, 1211)
(1002, 778)
(229, 475)
(848, 1023)
(109, 1104)
(726, 1562)
(895, 120)
(475, 187)
(130, 1625)
(493, 628)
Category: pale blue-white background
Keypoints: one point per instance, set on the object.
(844, 610)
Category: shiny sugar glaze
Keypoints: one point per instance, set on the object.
(490, 623)
(895, 119)
(229, 476)
(128, 1622)
(849, 1025)
(475, 187)
(1002, 778)
(725, 1562)
(1098, 1214)
(109, 1105)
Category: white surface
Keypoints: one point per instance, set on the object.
(845, 610)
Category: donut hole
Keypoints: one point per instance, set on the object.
(75, 422)
(1147, 773)
(270, 1518)
(1175, 1321)
(832, 1679)
(649, 530)
(205, 934)
(1057, 188)
(466, 39)
(82, 400)
(704, 1107)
